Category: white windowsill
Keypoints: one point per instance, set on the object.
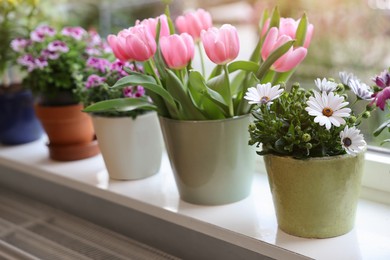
(255, 226)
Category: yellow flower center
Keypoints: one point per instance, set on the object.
(327, 111)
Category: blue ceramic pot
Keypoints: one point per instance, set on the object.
(18, 123)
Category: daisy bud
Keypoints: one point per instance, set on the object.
(370, 107)
(366, 114)
(297, 128)
(295, 86)
(306, 138)
(340, 88)
(352, 119)
(252, 127)
(309, 146)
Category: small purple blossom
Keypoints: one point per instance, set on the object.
(51, 55)
(381, 97)
(74, 32)
(39, 34)
(134, 91)
(94, 39)
(19, 44)
(383, 79)
(94, 81)
(58, 46)
(98, 63)
(118, 66)
(27, 61)
(40, 62)
(92, 51)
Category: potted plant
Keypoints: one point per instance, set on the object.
(125, 138)
(204, 119)
(53, 59)
(18, 123)
(313, 152)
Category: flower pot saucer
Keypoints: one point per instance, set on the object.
(73, 152)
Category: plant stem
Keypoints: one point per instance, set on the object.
(201, 59)
(229, 95)
(153, 66)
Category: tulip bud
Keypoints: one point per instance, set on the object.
(177, 50)
(221, 45)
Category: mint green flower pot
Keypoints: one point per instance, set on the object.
(211, 160)
(317, 197)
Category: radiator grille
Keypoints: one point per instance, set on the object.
(32, 230)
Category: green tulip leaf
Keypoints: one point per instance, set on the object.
(301, 31)
(274, 56)
(120, 104)
(248, 66)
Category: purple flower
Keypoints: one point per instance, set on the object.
(19, 44)
(134, 91)
(381, 97)
(74, 32)
(94, 39)
(58, 46)
(383, 79)
(39, 34)
(98, 63)
(52, 55)
(94, 81)
(92, 51)
(40, 62)
(118, 67)
(27, 61)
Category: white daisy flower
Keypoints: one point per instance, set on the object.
(328, 109)
(325, 85)
(345, 77)
(352, 140)
(360, 89)
(263, 94)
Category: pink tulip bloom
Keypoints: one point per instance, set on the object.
(290, 59)
(151, 24)
(118, 45)
(194, 22)
(288, 27)
(133, 44)
(177, 50)
(221, 45)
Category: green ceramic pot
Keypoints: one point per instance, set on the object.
(316, 197)
(211, 160)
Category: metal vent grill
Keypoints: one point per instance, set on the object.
(31, 230)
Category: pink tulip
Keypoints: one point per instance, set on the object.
(288, 27)
(289, 60)
(194, 22)
(151, 24)
(221, 45)
(177, 50)
(136, 43)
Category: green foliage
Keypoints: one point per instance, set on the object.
(285, 127)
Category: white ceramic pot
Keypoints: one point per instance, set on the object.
(131, 148)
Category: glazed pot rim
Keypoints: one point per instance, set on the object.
(177, 121)
(323, 158)
(146, 114)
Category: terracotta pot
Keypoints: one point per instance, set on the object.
(67, 127)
